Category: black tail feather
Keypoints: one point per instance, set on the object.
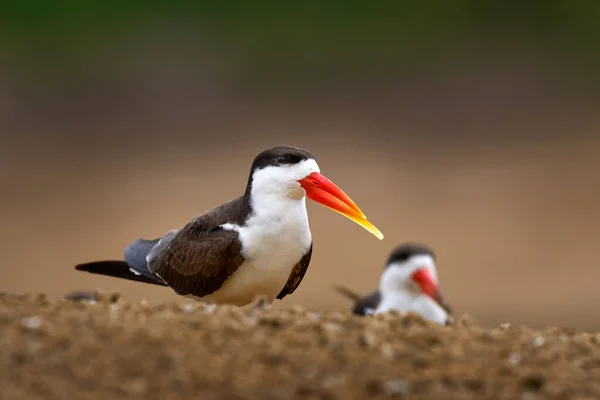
(344, 291)
(118, 269)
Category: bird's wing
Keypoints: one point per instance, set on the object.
(368, 304)
(200, 257)
(297, 275)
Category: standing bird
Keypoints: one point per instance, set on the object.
(258, 244)
(409, 283)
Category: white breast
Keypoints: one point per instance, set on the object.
(419, 303)
(274, 239)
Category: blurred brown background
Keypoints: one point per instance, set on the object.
(481, 142)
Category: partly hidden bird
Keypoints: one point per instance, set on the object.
(257, 245)
(408, 283)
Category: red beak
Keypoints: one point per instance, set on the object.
(320, 189)
(424, 279)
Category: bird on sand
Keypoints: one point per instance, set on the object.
(409, 282)
(258, 244)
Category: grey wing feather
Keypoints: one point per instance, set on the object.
(136, 252)
(139, 254)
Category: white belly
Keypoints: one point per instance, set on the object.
(250, 281)
(273, 240)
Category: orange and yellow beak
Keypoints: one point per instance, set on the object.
(320, 189)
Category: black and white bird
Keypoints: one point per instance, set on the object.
(409, 282)
(258, 244)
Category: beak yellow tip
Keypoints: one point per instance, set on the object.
(371, 228)
(362, 221)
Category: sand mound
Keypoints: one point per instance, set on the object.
(101, 347)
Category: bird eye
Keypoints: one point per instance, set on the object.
(280, 159)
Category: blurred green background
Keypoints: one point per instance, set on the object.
(316, 38)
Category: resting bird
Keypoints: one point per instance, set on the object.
(258, 244)
(409, 282)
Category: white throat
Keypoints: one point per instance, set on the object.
(276, 234)
(280, 183)
(277, 230)
(397, 275)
